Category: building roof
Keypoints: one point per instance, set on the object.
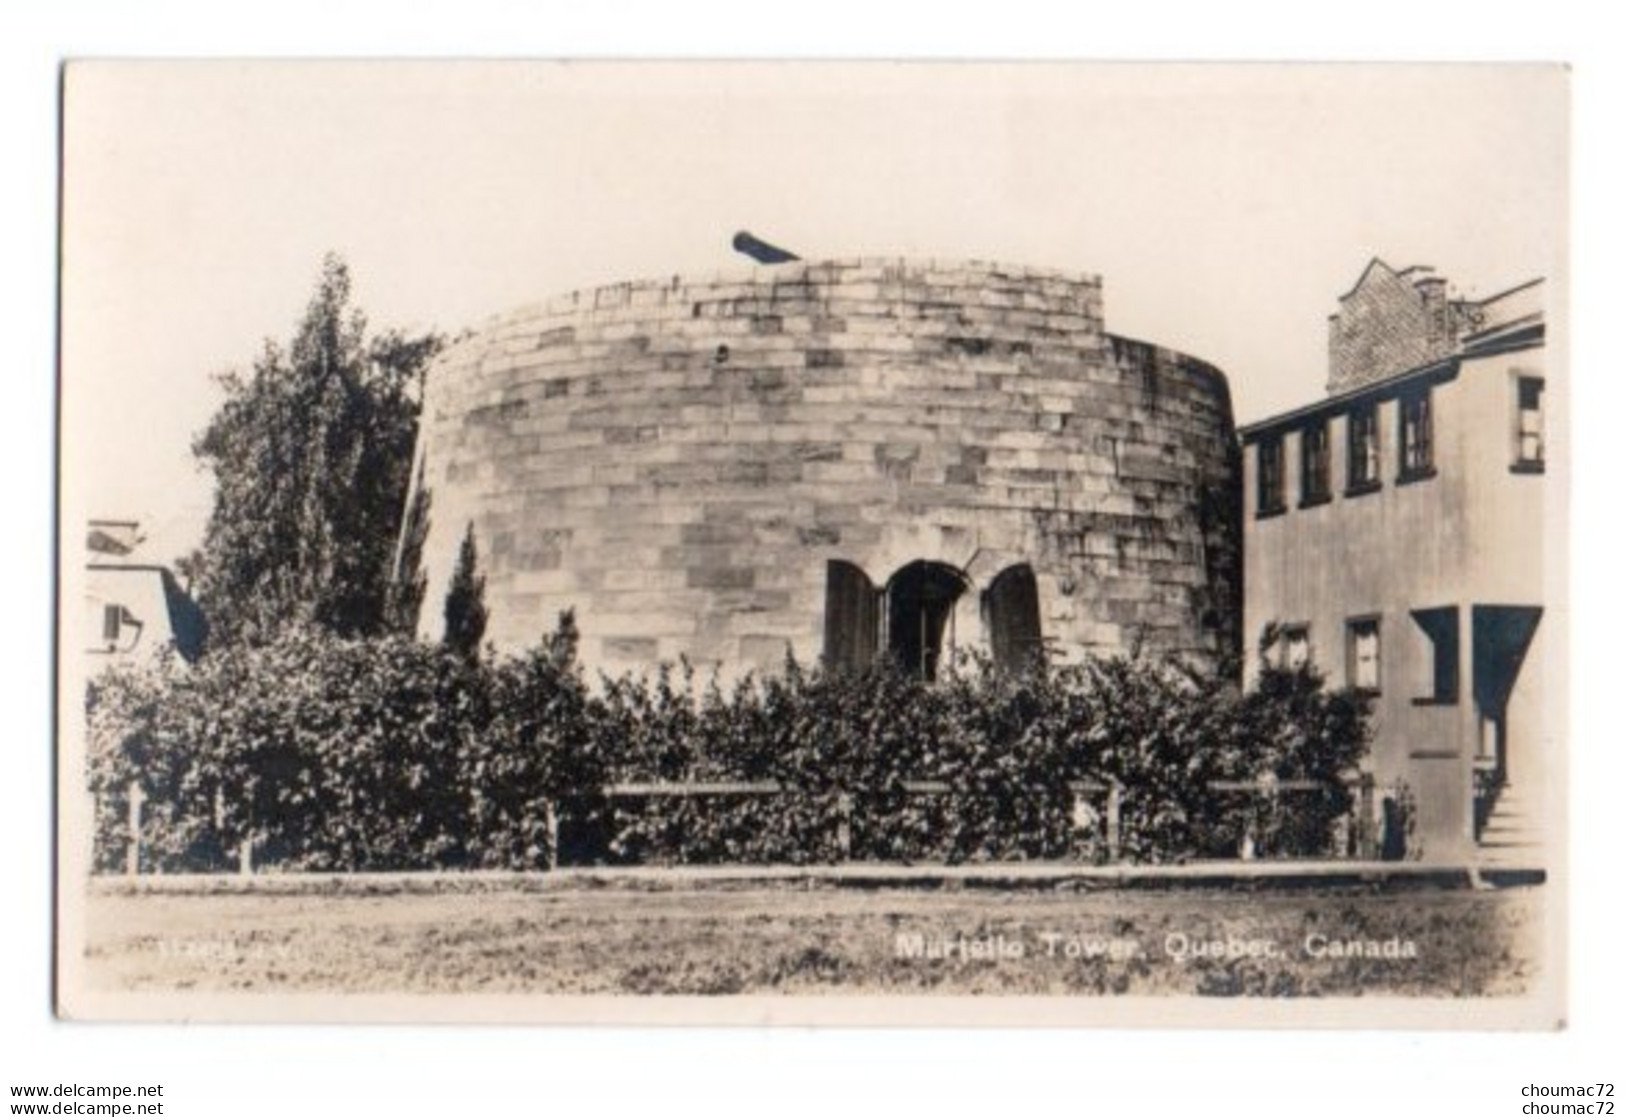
(112, 537)
(1435, 372)
(1505, 322)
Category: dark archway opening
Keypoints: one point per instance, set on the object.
(1501, 638)
(919, 615)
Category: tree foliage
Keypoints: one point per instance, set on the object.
(466, 613)
(322, 753)
(311, 455)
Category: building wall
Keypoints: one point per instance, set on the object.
(1510, 542)
(1379, 554)
(1472, 534)
(144, 595)
(678, 460)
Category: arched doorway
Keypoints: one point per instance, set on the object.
(920, 600)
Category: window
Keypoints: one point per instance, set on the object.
(1271, 482)
(1416, 436)
(121, 631)
(111, 616)
(1365, 454)
(1443, 629)
(1292, 647)
(1317, 465)
(1531, 429)
(1365, 654)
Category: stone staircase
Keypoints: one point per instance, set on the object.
(1512, 837)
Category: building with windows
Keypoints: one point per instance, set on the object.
(134, 609)
(841, 459)
(1395, 538)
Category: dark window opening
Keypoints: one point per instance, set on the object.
(1365, 654)
(1416, 436)
(111, 616)
(1293, 647)
(919, 615)
(1443, 628)
(1317, 465)
(1365, 450)
(1011, 607)
(1271, 476)
(1531, 453)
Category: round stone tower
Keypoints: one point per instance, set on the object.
(843, 459)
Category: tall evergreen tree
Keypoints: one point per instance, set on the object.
(465, 601)
(311, 455)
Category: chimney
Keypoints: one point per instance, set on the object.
(1441, 323)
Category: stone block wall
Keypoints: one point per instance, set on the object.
(679, 461)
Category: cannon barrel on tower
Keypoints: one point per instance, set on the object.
(760, 250)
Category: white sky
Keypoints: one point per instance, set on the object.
(1225, 207)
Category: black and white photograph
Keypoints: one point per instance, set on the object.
(805, 542)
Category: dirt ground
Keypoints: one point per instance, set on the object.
(812, 938)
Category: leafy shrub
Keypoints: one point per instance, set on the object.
(326, 753)
(542, 745)
(140, 731)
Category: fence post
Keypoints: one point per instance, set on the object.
(843, 826)
(245, 855)
(1367, 808)
(551, 814)
(1114, 822)
(132, 855)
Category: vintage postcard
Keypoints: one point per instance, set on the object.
(813, 543)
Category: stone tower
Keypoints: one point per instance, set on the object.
(841, 459)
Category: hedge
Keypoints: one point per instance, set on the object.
(388, 754)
